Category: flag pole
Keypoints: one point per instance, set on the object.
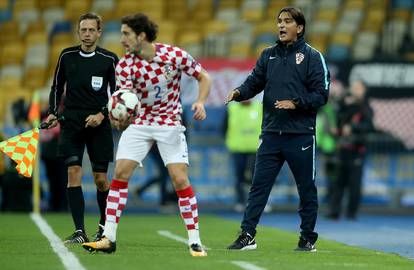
(36, 184)
(34, 117)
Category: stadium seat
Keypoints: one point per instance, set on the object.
(74, 8)
(240, 50)
(52, 15)
(252, 10)
(112, 37)
(5, 15)
(319, 41)
(50, 4)
(216, 41)
(338, 52)
(20, 6)
(177, 10)
(125, 7)
(12, 71)
(202, 11)
(61, 27)
(323, 27)
(326, 15)
(403, 4)
(191, 42)
(362, 53)
(36, 56)
(105, 8)
(13, 53)
(8, 32)
(34, 78)
(36, 38)
(274, 7)
(354, 4)
(27, 17)
(344, 39)
(266, 27)
(116, 48)
(329, 4)
(167, 31)
(103, 5)
(155, 10)
(4, 4)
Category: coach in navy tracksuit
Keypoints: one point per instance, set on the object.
(295, 81)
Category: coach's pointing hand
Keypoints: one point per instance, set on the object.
(232, 96)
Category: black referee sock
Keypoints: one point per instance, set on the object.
(77, 206)
(101, 198)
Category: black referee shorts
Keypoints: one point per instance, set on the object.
(74, 136)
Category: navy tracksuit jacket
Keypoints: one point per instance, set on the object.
(296, 72)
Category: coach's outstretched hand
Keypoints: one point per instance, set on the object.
(232, 95)
(199, 111)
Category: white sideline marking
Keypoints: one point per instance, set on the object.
(247, 265)
(173, 236)
(244, 265)
(177, 238)
(69, 260)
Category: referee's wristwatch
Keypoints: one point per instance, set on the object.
(104, 111)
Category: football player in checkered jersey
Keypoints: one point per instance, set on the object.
(153, 71)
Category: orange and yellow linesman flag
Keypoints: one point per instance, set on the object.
(22, 149)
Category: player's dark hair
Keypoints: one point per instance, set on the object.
(91, 16)
(141, 23)
(297, 15)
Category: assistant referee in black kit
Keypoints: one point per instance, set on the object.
(87, 72)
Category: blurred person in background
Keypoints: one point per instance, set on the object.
(243, 128)
(86, 73)
(326, 133)
(295, 81)
(354, 123)
(153, 71)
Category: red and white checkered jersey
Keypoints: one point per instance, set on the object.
(157, 83)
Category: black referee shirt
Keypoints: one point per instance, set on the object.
(89, 79)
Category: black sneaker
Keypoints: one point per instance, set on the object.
(305, 245)
(104, 245)
(196, 250)
(244, 242)
(78, 237)
(98, 235)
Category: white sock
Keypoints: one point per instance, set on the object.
(110, 230)
(194, 237)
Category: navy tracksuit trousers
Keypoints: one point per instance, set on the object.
(299, 152)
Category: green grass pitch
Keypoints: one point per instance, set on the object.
(139, 246)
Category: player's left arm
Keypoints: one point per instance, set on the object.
(194, 69)
(204, 85)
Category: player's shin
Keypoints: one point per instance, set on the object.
(116, 201)
(187, 203)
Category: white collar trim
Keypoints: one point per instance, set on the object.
(87, 54)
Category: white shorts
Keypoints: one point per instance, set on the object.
(137, 140)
